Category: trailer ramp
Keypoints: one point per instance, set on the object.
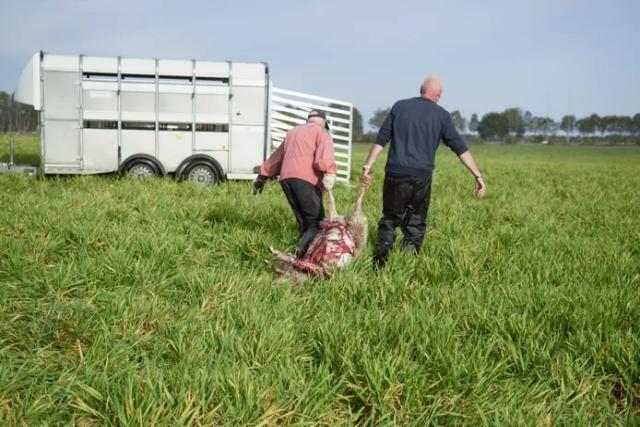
(289, 109)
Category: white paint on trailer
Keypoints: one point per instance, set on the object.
(100, 150)
(173, 148)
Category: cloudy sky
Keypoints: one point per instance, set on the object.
(547, 56)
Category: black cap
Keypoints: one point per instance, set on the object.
(321, 114)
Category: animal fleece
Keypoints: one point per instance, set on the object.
(340, 239)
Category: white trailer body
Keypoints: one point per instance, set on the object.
(200, 120)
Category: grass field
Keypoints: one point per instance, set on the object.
(148, 303)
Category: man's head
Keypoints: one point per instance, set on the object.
(431, 88)
(319, 117)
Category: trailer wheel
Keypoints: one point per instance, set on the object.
(141, 169)
(202, 173)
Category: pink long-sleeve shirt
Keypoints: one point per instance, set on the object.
(307, 153)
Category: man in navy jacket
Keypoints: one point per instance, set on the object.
(414, 127)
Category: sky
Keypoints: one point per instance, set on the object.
(548, 57)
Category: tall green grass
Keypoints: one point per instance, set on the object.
(148, 303)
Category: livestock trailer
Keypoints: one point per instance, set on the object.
(201, 121)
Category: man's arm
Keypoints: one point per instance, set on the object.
(384, 136)
(271, 167)
(453, 140)
(324, 159)
(467, 159)
(367, 175)
(386, 130)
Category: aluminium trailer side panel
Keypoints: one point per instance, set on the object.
(212, 110)
(60, 105)
(212, 100)
(68, 148)
(249, 113)
(100, 111)
(99, 102)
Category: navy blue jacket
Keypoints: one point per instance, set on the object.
(415, 127)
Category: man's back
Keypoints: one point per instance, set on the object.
(415, 127)
(306, 153)
(301, 142)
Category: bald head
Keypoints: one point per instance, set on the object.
(431, 88)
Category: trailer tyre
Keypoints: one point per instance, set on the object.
(141, 168)
(200, 169)
(202, 173)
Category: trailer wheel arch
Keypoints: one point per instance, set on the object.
(200, 159)
(126, 165)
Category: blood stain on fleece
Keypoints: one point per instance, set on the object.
(340, 239)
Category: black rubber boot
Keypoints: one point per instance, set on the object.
(380, 258)
(305, 241)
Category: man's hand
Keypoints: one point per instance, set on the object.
(328, 181)
(258, 184)
(467, 159)
(367, 176)
(481, 187)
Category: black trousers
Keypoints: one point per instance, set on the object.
(405, 203)
(305, 200)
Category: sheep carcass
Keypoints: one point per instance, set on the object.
(340, 239)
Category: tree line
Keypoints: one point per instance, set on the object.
(514, 122)
(15, 116)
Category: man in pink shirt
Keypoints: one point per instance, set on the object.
(306, 163)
